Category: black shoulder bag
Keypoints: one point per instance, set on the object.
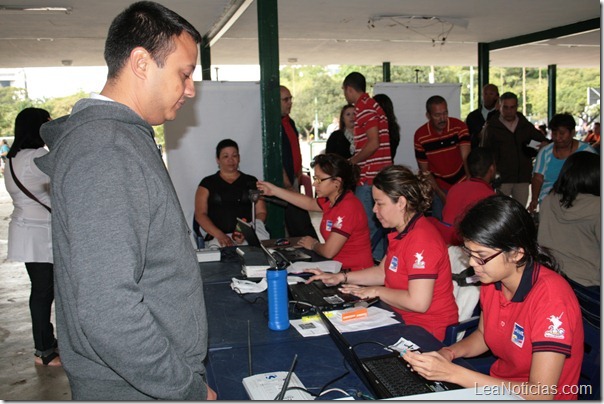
(22, 187)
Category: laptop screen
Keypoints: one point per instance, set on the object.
(248, 232)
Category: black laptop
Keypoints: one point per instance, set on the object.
(386, 376)
(290, 254)
(320, 296)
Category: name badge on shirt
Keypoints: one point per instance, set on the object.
(328, 225)
(393, 264)
(518, 335)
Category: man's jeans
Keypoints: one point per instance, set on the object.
(379, 242)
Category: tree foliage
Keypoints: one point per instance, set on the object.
(318, 90)
(318, 95)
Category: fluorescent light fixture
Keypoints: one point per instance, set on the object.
(34, 10)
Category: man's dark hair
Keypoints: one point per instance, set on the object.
(508, 95)
(356, 81)
(564, 120)
(580, 174)
(479, 160)
(435, 99)
(146, 24)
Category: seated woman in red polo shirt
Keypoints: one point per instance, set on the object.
(530, 319)
(414, 277)
(344, 224)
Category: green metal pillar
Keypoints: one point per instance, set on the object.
(483, 68)
(270, 104)
(206, 60)
(386, 71)
(551, 91)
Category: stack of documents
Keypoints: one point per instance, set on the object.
(311, 326)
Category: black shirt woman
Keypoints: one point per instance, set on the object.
(223, 197)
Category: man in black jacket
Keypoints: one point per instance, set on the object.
(476, 119)
(508, 134)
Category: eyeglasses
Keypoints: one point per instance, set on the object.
(480, 261)
(287, 99)
(320, 180)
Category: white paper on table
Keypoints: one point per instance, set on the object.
(330, 266)
(376, 317)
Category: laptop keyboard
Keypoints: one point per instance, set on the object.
(318, 295)
(396, 378)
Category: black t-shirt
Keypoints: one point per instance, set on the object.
(227, 202)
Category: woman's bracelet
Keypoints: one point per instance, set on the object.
(450, 350)
(314, 245)
(345, 272)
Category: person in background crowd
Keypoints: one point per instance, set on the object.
(29, 239)
(464, 194)
(530, 320)
(130, 303)
(341, 141)
(591, 138)
(372, 150)
(477, 118)
(441, 146)
(414, 277)
(4, 149)
(551, 157)
(508, 134)
(344, 223)
(394, 128)
(570, 219)
(223, 197)
(297, 221)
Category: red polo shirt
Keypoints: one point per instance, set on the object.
(419, 252)
(543, 316)
(441, 151)
(348, 218)
(460, 198)
(368, 114)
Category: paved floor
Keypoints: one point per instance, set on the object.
(20, 379)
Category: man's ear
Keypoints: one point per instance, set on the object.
(140, 60)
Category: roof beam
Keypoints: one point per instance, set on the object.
(558, 32)
(229, 18)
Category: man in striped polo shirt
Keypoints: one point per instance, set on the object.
(441, 147)
(372, 150)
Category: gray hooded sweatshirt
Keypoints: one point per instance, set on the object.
(130, 310)
(574, 236)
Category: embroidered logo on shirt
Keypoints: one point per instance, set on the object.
(340, 222)
(328, 225)
(518, 335)
(419, 261)
(393, 264)
(554, 330)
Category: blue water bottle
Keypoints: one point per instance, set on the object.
(278, 317)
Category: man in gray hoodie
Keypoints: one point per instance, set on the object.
(130, 309)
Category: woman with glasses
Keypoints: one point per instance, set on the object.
(414, 277)
(530, 318)
(344, 224)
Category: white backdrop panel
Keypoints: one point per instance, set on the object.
(219, 110)
(409, 100)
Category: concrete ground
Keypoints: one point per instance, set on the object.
(20, 379)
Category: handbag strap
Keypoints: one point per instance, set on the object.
(22, 187)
